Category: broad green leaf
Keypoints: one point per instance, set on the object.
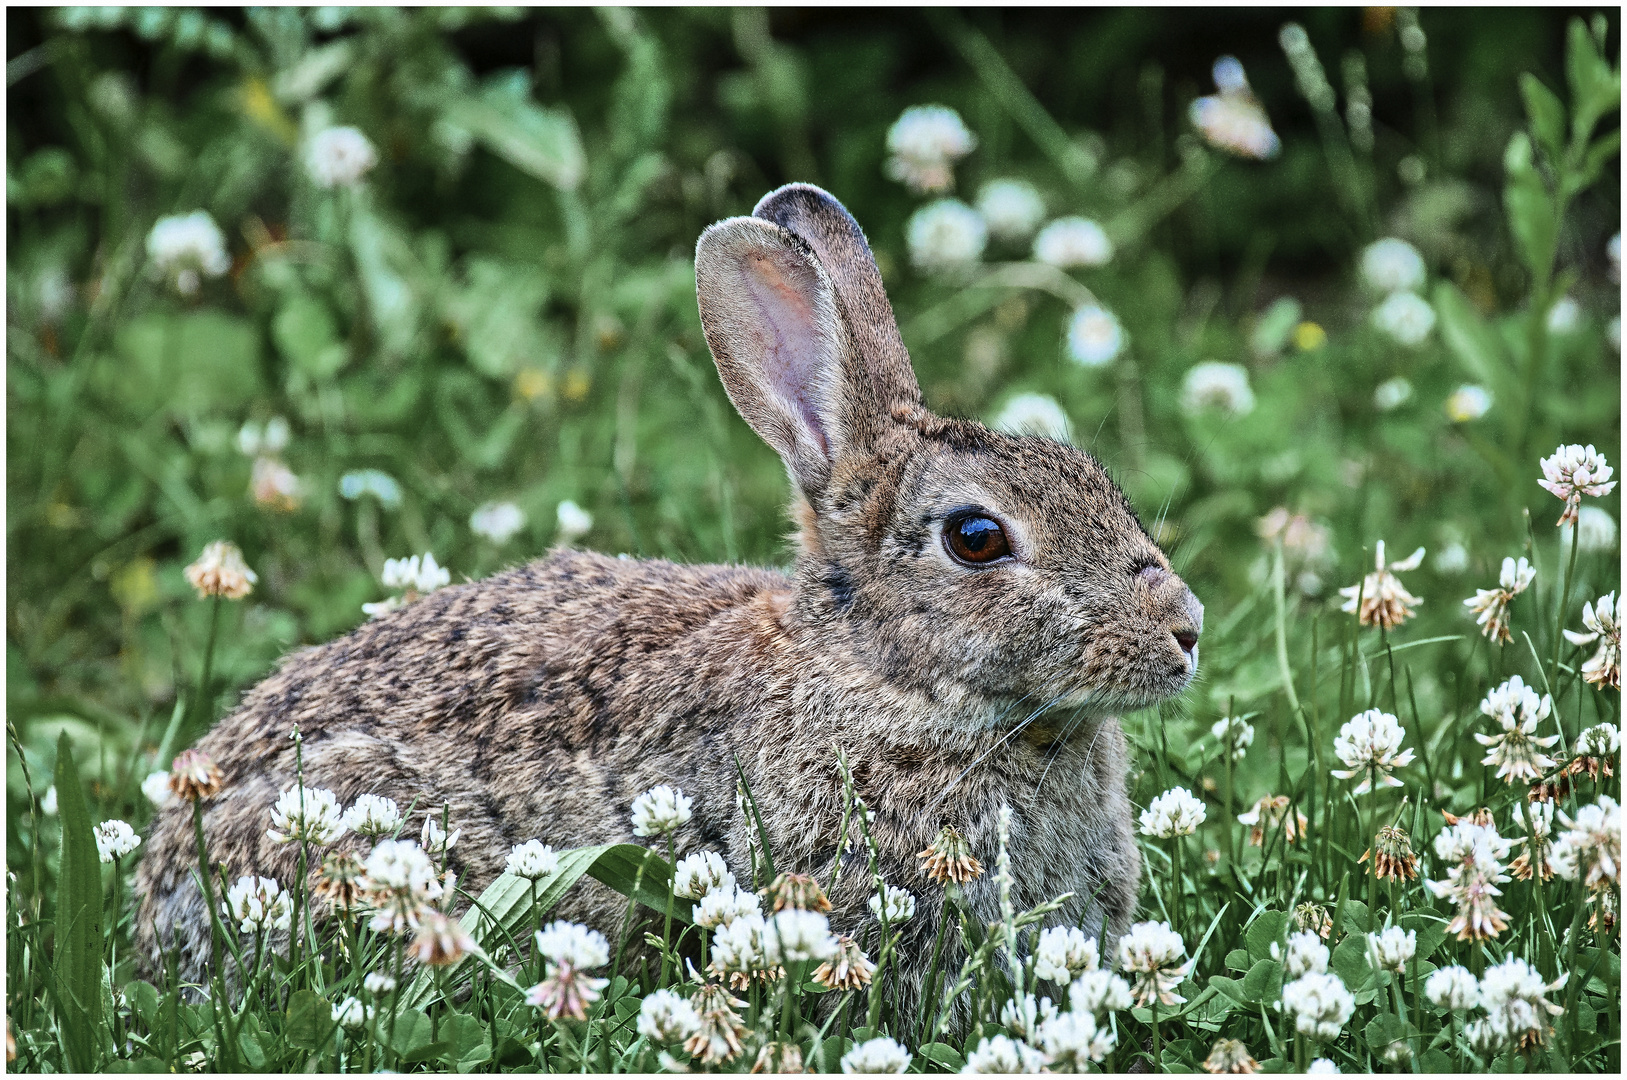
(470, 1041)
(1531, 216)
(1595, 87)
(940, 1054)
(1237, 960)
(1384, 1029)
(78, 960)
(1268, 928)
(198, 362)
(309, 1021)
(1547, 115)
(412, 1030)
(1350, 962)
(144, 1002)
(307, 337)
(1431, 932)
(141, 1064)
(427, 1052)
(540, 141)
(1472, 343)
(1263, 983)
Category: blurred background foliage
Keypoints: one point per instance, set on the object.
(504, 309)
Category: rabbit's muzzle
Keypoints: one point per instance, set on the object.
(1174, 605)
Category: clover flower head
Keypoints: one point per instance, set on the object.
(1217, 387)
(924, 143)
(879, 1055)
(572, 521)
(1491, 605)
(221, 571)
(721, 1028)
(373, 816)
(660, 811)
(497, 521)
(1233, 120)
(194, 775)
(399, 882)
(1369, 745)
(351, 1014)
(1380, 599)
(1453, 987)
(847, 968)
(1468, 402)
(1071, 1039)
(434, 839)
(258, 904)
(1590, 847)
(945, 235)
(441, 941)
(115, 839)
(533, 860)
(1065, 952)
(1268, 813)
(1235, 734)
(1012, 209)
(1073, 241)
(1230, 1056)
(1152, 952)
(273, 484)
(1517, 750)
(1600, 740)
(1515, 998)
(1095, 336)
(1392, 393)
(1392, 948)
(1001, 1054)
(157, 790)
(795, 935)
(1033, 414)
(1099, 991)
(896, 904)
(1573, 471)
(666, 1017)
(1177, 812)
(1405, 317)
(1601, 620)
(722, 906)
(339, 157)
(701, 873)
(1392, 265)
(949, 858)
(310, 815)
(571, 943)
(1320, 1004)
(185, 248)
(1023, 1013)
(1305, 955)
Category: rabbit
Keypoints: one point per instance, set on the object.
(966, 614)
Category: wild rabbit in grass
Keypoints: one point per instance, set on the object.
(966, 613)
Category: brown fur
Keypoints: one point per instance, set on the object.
(542, 701)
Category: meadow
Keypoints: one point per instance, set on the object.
(313, 311)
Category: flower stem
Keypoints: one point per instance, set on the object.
(1564, 602)
(200, 700)
(666, 930)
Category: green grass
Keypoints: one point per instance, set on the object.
(505, 311)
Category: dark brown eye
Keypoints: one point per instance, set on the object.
(976, 540)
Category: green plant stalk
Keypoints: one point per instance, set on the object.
(1157, 1043)
(1572, 985)
(1281, 628)
(395, 1002)
(1564, 602)
(666, 930)
(929, 989)
(200, 702)
(113, 956)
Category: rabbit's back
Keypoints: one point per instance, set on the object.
(535, 704)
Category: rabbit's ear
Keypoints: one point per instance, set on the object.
(771, 319)
(815, 217)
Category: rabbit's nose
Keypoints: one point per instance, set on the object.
(1186, 632)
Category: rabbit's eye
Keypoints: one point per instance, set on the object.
(976, 539)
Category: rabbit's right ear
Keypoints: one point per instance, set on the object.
(770, 316)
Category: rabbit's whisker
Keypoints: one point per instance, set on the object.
(1007, 737)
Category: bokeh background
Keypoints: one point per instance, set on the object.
(502, 310)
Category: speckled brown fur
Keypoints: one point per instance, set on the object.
(540, 702)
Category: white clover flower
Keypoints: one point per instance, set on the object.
(497, 521)
(574, 944)
(1306, 954)
(1369, 744)
(701, 873)
(1233, 120)
(358, 482)
(532, 859)
(338, 157)
(258, 904)
(1065, 952)
(1600, 740)
(1098, 992)
(665, 1017)
(1073, 1038)
(1012, 209)
(1517, 749)
(573, 521)
(433, 838)
(741, 946)
(1321, 1066)
(273, 484)
(1469, 842)
(945, 235)
(878, 1055)
(156, 788)
(1452, 559)
(1177, 812)
(351, 1014)
(1573, 471)
(1453, 988)
(1490, 606)
(378, 983)
(1221, 387)
(723, 906)
(1565, 316)
(1604, 669)
(1391, 394)
(1613, 250)
(661, 810)
(1468, 402)
(1033, 414)
(219, 570)
(419, 573)
(1151, 951)
(1392, 948)
(373, 816)
(400, 880)
(1595, 531)
(1095, 337)
(254, 440)
(924, 143)
(792, 935)
(1392, 265)
(1515, 998)
(1380, 599)
(1473, 854)
(1073, 241)
(898, 903)
(1320, 1003)
(115, 839)
(1406, 317)
(184, 248)
(311, 815)
(1023, 1013)
(1235, 734)
(1590, 846)
(1002, 1054)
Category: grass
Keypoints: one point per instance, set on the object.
(504, 312)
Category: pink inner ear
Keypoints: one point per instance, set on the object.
(796, 350)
